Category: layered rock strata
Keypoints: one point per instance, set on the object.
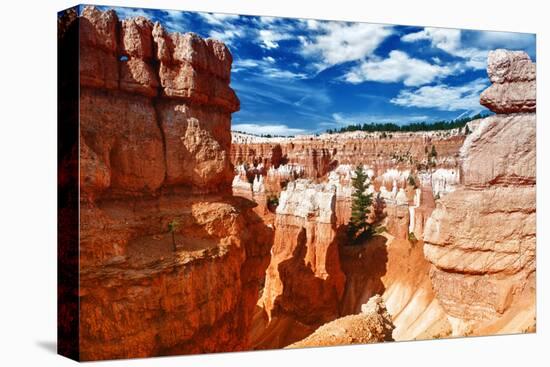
(481, 238)
(155, 114)
(304, 281)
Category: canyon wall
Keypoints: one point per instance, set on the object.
(264, 166)
(304, 283)
(320, 154)
(481, 238)
(170, 263)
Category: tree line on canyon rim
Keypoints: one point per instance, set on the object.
(411, 127)
(389, 127)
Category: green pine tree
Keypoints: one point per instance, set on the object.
(358, 226)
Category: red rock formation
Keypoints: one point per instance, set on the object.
(154, 147)
(304, 282)
(481, 238)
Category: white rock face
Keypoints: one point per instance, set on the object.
(305, 199)
(343, 187)
(412, 209)
(258, 184)
(401, 198)
(240, 184)
(286, 171)
(442, 180)
(394, 177)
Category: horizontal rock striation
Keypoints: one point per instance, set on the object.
(198, 298)
(155, 115)
(150, 101)
(481, 238)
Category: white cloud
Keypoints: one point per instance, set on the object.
(450, 41)
(443, 97)
(218, 18)
(176, 21)
(269, 38)
(241, 64)
(293, 93)
(283, 74)
(396, 68)
(223, 27)
(341, 42)
(273, 129)
(268, 20)
(226, 35)
(125, 13)
(446, 39)
(266, 67)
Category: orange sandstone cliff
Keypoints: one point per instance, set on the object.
(155, 114)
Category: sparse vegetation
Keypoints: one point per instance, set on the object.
(412, 127)
(411, 181)
(433, 153)
(272, 202)
(172, 228)
(358, 227)
(263, 135)
(412, 238)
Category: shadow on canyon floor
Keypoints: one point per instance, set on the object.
(364, 266)
(309, 300)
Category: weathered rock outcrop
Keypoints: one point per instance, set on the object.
(304, 281)
(514, 83)
(155, 112)
(197, 298)
(372, 325)
(133, 143)
(481, 238)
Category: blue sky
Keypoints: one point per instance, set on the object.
(296, 76)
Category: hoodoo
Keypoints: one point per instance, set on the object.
(480, 239)
(304, 283)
